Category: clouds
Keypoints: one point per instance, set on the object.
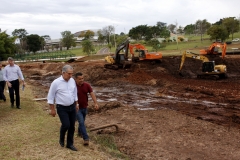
(50, 17)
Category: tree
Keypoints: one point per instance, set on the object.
(101, 37)
(152, 32)
(231, 24)
(7, 45)
(171, 27)
(180, 29)
(21, 34)
(218, 22)
(217, 32)
(120, 39)
(122, 34)
(87, 34)
(189, 29)
(202, 26)
(139, 32)
(34, 42)
(161, 24)
(155, 44)
(107, 32)
(68, 39)
(87, 46)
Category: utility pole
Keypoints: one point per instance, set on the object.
(176, 24)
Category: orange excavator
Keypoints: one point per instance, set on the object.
(213, 49)
(140, 53)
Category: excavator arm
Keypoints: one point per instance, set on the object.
(213, 49)
(191, 55)
(136, 46)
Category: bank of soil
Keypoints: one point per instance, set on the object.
(160, 114)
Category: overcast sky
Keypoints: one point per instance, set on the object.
(51, 17)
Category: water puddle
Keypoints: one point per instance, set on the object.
(144, 98)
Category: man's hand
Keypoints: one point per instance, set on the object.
(53, 111)
(9, 84)
(77, 107)
(96, 106)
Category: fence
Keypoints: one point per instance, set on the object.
(44, 56)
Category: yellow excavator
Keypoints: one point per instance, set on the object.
(120, 59)
(208, 67)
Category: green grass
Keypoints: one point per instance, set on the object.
(172, 48)
(31, 133)
(109, 146)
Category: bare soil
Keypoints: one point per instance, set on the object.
(160, 114)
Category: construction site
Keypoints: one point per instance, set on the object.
(155, 112)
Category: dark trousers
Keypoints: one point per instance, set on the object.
(2, 85)
(14, 89)
(67, 116)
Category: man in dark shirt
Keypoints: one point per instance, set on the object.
(83, 89)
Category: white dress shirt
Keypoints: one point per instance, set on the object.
(11, 73)
(62, 92)
(1, 75)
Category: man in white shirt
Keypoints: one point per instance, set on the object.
(11, 73)
(63, 92)
(2, 84)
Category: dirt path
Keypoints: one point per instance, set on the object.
(160, 114)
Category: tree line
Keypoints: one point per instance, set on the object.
(220, 30)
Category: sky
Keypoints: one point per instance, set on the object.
(51, 17)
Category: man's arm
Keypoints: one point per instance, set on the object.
(5, 77)
(76, 97)
(51, 97)
(20, 75)
(94, 100)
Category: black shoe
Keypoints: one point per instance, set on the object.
(4, 100)
(72, 148)
(18, 107)
(61, 143)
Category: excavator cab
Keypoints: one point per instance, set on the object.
(208, 66)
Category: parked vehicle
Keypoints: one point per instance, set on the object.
(236, 40)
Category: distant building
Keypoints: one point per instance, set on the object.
(56, 43)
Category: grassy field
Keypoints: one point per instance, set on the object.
(31, 133)
(172, 48)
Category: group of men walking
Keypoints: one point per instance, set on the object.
(71, 99)
(67, 97)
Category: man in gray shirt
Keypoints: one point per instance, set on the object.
(11, 73)
(2, 84)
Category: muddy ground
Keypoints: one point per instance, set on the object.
(160, 114)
